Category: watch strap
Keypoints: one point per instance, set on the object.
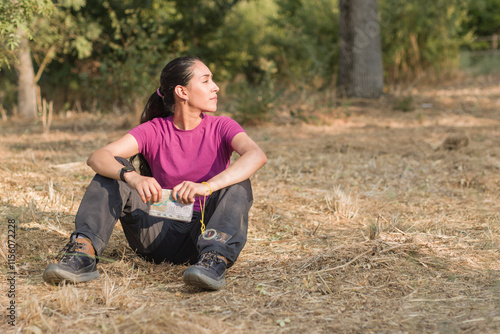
(124, 170)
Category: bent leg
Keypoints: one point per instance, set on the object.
(227, 216)
(104, 202)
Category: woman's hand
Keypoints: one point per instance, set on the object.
(187, 191)
(148, 188)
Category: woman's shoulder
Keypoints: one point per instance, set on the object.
(155, 122)
(156, 125)
(219, 119)
(160, 120)
(224, 125)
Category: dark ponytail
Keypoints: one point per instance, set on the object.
(177, 72)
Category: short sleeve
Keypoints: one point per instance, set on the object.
(229, 129)
(142, 133)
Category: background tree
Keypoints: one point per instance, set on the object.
(16, 19)
(26, 100)
(13, 16)
(361, 71)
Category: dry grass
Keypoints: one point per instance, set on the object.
(364, 223)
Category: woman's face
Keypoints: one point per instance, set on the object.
(202, 90)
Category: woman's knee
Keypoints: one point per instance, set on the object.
(239, 194)
(243, 188)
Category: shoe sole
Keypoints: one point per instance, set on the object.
(195, 278)
(54, 275)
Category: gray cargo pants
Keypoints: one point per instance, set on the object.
(159, 239)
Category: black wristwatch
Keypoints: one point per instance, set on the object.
(124, 170)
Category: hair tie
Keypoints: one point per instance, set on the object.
(158, 92)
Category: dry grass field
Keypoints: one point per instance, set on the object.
(370, 220)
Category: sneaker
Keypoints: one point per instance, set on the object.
(208, 273)
(76, 264)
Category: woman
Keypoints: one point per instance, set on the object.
(181, 147)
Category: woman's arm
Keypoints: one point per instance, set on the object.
(103, 162)
(251, 159)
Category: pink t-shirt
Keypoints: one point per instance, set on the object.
(196, 155)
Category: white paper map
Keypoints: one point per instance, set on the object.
(169, 208)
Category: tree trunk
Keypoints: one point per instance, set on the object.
(361, 70)
(26, 98)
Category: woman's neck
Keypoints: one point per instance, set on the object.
(185, 120)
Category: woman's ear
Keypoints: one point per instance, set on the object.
(180, 91)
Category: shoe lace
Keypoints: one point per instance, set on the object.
(209, 259)
(70, 250)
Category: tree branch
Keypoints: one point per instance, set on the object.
(45, 62)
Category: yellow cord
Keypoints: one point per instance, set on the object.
(209, 188)
(202, 206)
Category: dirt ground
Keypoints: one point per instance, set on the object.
(370, 220)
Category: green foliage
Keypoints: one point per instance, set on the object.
(295, 38)
(404, 103)
(253, 104)
(266, 44)
(483, 17)
(15, 15)
(119, 47)
(123, 59)
(241, 46)
(418, 35)
(8, 89)
(143, 37)
(106, 53)
(307, 39)
(67, 30)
